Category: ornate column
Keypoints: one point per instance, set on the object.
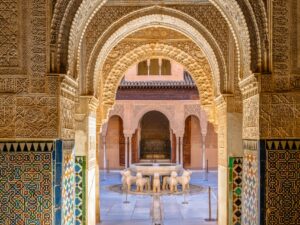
(85, 139)
(251, 151)
(229, 108)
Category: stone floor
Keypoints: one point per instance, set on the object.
(137, 211)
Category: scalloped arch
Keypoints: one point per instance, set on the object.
(163, 21)
(230, 10)
(197, 67)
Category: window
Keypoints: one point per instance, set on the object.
(166, 67)
(154, 67)
(143, 68)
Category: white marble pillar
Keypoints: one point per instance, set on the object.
(171, 142)
(130, 149)
(104, 153)
(126, 152)
(181, 150)
(177, 149)
(203, 125)
(203, 152)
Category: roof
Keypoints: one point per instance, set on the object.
(187, 83)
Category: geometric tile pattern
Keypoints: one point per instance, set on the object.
(235, 181)
(250, 188)
(26, 146)
(57, 182)
(80, 180)
(282, 182)
(68, 192)
(26, 183)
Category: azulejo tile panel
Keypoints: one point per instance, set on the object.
(68, 192)
(282, 182)
(26, 182)
(80, 191)
(250, 183)
(235, 180)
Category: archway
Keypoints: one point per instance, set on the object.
(208, 80)
(112, 150)
(155, 137)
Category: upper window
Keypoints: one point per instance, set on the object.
(154, 67)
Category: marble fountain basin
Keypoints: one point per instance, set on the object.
(151, 168)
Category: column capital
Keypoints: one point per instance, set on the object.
(179, 134)
(128, 134)
(88, 103)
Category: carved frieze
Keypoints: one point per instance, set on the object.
(12, 84)
(36, 116)
(280, 115)
(7, 115)
(10, 33)
(281, 33)
(96, 46)
(194, 63)
(251, 117)
(194, 109)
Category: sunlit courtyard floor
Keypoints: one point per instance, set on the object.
(137, 211)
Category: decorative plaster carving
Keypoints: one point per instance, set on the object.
(281, 44)
(166, 21)
(176, 22)
(38, 51)
(234, 16)
(7, 115)
(250, 117)
(192, 110)
(9, 84)
(280, 115)
(10, 33)
(168, 110)
(83, 16)
(201, 74)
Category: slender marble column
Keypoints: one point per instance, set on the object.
(203, 151)
(104, 153)
(126, 152)
(181, 150)
(177, 149)
(130, 149)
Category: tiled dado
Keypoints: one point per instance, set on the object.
(68, 187)
(235, 190)
(280, 170)
(80, 190)
(37, 178)
(30, 174)
(250, 197)
(271, 182)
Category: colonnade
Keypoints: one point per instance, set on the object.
(178, 152)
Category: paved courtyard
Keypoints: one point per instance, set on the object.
(137, 212)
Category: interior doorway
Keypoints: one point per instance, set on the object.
(155, 137)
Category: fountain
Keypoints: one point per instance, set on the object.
(148, 169)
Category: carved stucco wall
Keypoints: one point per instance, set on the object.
(131, 112)
(230, 10)
(28, 97)
(172, 19)
(193, 61)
